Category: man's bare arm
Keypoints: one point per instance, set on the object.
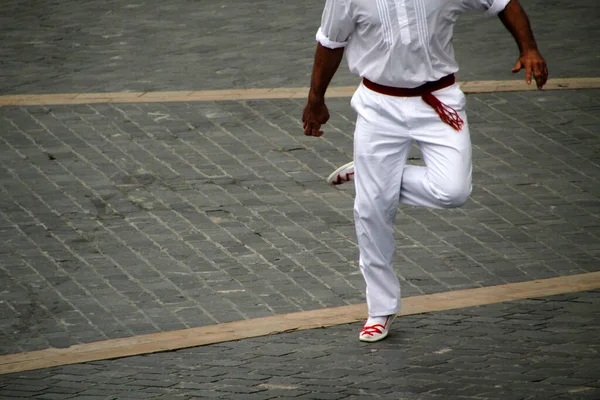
(325, 66)
(516, 21)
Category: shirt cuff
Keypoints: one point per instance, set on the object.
(330, 44)
(496, 8)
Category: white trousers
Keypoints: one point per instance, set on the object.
(385, 130)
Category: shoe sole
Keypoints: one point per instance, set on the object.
(335, 177)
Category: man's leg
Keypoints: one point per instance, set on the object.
(380, 153)
(384, 132)
(445, 181)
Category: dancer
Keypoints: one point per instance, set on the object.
(402, 50)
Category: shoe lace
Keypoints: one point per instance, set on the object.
(341, 178)
(372, 329)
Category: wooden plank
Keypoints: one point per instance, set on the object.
(113, 97)
(473, 87)
(201, 336)
(469, 87)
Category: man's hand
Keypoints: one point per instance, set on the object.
(516, 21)
(315, 114)
(534, 65)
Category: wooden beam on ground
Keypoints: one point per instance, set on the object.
(206, 335)
(470, 87)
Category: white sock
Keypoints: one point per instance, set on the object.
(376, 320)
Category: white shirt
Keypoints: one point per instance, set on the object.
(401, 43)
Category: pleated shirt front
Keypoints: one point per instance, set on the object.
(401, 43)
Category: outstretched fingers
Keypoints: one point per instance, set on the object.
(540, 73)
(535, 68)
(517, 67)
(539, 70)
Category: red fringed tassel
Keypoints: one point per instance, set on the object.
(446, 113)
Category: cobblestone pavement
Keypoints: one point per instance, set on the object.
(534, 349)
(125, 219)
(149, 45)
(118, 220)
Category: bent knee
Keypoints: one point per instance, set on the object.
(453, 197)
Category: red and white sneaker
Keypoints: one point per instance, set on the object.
(343, 174)
(375, 332)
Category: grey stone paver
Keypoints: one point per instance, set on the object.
(532, 349)
(148, 45)
(126, 219)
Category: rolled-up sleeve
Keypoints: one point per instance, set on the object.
(487, 7)
(336, 24)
